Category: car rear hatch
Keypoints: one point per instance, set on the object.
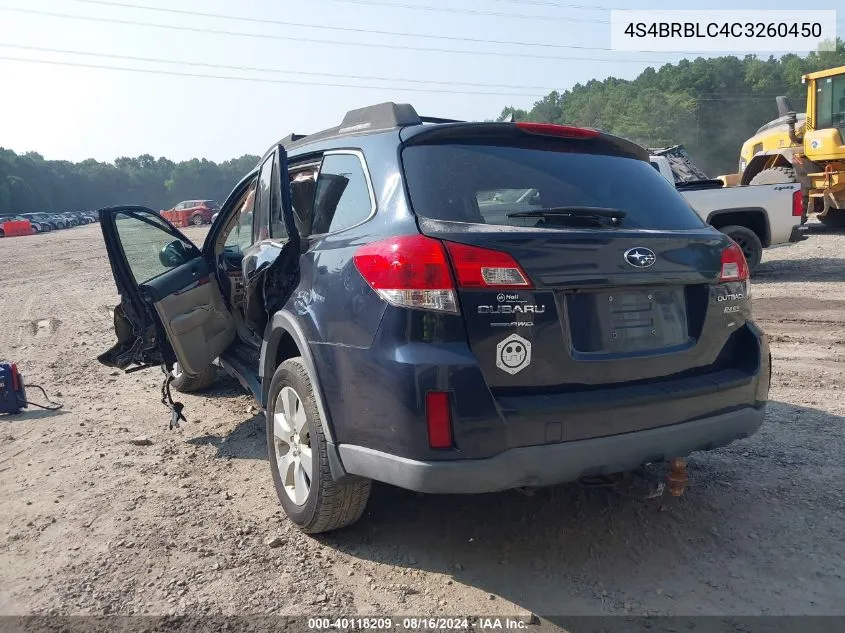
(602, 273)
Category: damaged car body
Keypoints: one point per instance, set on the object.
(199, 306)
(450, 307)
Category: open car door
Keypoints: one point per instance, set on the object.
(171, 306)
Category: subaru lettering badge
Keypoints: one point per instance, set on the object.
(640, 257)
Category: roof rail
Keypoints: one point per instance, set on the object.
(382, 116)
(379, 117)
(292, 138)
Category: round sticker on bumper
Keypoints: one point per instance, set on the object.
(513, 354)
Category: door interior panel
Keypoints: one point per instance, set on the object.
(192, 311)
(198, 324)
(184, 323)
(173, 305)
(177, 279)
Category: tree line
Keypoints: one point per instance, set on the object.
(709, 105)
(29, 183)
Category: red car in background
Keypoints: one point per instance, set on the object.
(195, 211)
(13, 225)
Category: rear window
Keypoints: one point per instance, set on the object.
(484, 183)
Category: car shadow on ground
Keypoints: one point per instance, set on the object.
(829, 269)
(245, 441)
(587, 551)
(225, 386)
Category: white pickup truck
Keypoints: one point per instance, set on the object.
(755, 217)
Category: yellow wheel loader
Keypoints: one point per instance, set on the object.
(805, 148)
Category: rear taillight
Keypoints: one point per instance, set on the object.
(798, 204)
(734, 266)
(439, 418)
(484, 268)
(409, 271)
(551, 129)
(413, 271)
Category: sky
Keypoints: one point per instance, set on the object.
(71, 108)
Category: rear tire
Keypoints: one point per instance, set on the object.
(197, 220)
(748, 241)
(315, 503)
(774, 176)
(183, 383)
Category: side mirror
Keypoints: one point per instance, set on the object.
(174, 254)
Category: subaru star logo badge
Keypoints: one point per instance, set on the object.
(640, 257)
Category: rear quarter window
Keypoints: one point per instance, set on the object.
(342, 198)
(482, 184)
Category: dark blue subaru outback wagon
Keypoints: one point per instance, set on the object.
(449, 307)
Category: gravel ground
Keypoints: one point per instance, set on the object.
(93, 523)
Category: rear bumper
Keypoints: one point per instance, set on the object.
(552, 463)
(375, 397)
(799, 233)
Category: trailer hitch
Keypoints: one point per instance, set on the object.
(677, 477)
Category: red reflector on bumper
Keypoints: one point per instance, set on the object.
(439, 417)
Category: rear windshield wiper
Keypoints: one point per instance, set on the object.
(576, 213)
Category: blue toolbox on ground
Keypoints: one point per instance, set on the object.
(12, 392)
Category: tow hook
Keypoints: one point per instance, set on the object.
(677, 476)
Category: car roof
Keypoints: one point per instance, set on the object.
(374, 119)
(390, 117)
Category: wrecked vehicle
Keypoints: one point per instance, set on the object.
(401, 317)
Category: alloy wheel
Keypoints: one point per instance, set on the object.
(292, 443)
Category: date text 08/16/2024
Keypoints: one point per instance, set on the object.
(416, 624)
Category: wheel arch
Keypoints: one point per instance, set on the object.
(752, 218)
(283, 339)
